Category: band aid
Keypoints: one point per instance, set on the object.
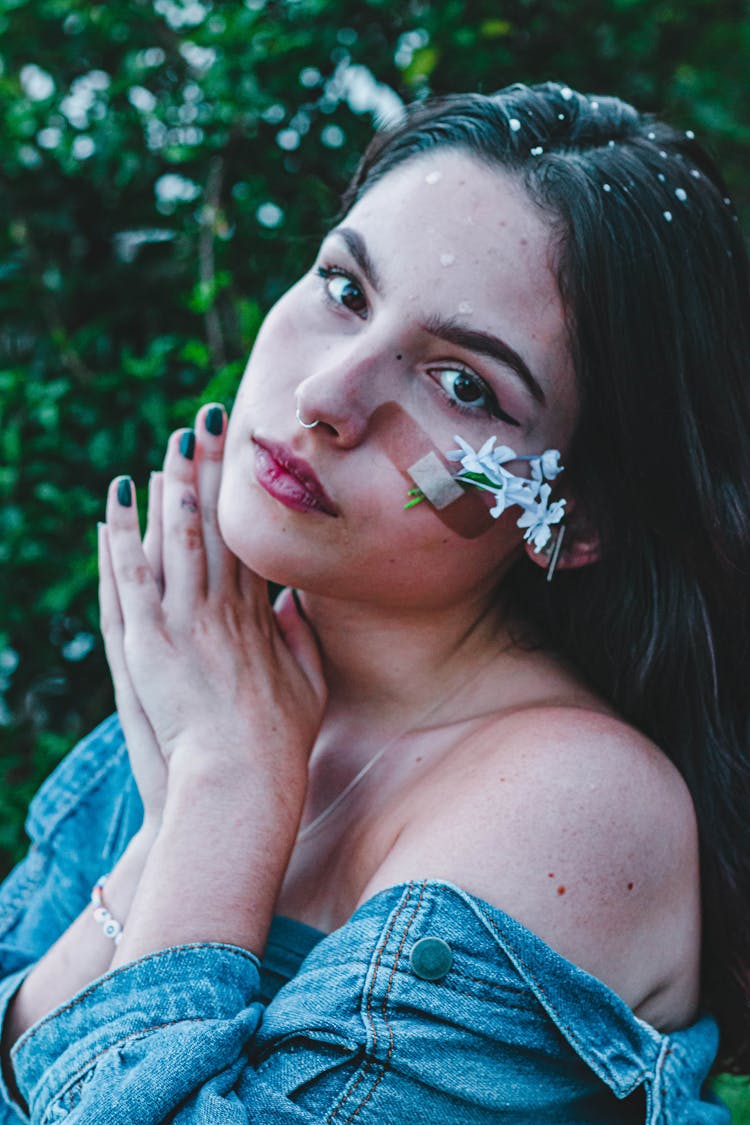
(437, 484)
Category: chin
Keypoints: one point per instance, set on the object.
(263, 550)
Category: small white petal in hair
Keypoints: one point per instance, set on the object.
(486, 469)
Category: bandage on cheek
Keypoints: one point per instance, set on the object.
(438, 486)
(410, 448)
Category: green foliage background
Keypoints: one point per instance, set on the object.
(167, 169)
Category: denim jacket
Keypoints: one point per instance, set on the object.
(428, 1004)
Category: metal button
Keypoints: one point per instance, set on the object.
(431, 958)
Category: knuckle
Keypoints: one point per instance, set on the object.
(213, 452)
(193, 539)
(210, 512)
(139, 574)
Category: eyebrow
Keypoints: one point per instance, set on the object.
(448, 329)
(485, 343)
(358, 250)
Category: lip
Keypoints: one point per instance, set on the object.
(289, 479)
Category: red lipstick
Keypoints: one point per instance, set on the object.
(289, 479)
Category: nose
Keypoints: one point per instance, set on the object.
(339, 397)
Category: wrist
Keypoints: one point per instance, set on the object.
(208, 790)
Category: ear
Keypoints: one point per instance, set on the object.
(580, 545)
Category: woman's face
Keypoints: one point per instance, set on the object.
(432, 310)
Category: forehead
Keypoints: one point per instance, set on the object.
(450, 235)
(450, 198)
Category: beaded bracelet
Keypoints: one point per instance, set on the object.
(111, 927)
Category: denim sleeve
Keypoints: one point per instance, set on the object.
(163, 1039)
(78, 824)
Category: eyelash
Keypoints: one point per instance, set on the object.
(328, 272)
(492, 407)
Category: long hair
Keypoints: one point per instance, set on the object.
(653, 275)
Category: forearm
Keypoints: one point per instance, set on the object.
(82, 954)
(214, 871)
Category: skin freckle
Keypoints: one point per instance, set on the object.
(630, 886)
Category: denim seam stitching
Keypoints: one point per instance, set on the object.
(369, 1063)
(659, 1091)
(572, 1035)
(389, 1026)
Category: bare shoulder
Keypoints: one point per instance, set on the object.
(580, 828)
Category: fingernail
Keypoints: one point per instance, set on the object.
(215, 420)
(187, 444)
(124, 494)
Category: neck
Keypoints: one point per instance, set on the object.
(397, 662)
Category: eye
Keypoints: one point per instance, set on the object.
(341, 289)
(467, 392)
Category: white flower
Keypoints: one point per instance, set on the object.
(486, 462)
(515, 490)
(546, 467)
(539, 516)
(485, 469)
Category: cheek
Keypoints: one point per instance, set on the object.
(403, 442)
(283, 340)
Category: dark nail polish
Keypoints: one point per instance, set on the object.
(187, 444)
(124, 494)
(215, 420)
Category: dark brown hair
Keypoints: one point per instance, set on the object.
(654, 277)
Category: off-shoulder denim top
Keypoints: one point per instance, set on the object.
(428, 1005)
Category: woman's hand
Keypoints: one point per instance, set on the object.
(213, 680)
(146, 760)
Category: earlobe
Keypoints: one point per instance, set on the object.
(570, 547)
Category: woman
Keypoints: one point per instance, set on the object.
(478, 800)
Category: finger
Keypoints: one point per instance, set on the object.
(135, 725)
(152, 540)
(110, 613)
(210, 430)
(182, 536)
(253, 590)
(137, 591)
(300, 640)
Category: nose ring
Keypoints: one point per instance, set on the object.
(307, 425)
